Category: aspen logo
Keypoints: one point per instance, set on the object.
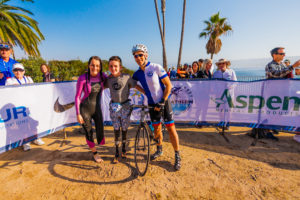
(275, 105)
(181, 99)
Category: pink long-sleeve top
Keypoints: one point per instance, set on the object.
(81, 88)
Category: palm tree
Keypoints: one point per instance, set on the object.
(216, 27)
(19, 29)
(162, 32)
(163, 11)
(182, 32)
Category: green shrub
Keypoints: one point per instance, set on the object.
(62, 70)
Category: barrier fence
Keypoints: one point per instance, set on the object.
(36, 110)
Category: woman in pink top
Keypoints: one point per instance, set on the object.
(91, 85)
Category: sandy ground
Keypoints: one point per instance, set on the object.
(212, 169)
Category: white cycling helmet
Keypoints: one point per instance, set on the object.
(139, 47)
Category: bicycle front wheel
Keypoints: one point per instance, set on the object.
(142, 150)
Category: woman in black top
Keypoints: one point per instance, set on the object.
(206, 72)
(47, 76)
(194, 70)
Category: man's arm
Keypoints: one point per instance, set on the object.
(166, 81)
(296, 64)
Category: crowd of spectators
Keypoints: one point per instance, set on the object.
(203, 69)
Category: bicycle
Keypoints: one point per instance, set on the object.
(143, 138)
(142, 142)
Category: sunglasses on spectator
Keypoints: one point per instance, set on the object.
(4, 46)
(16, 70)
(281, 54)
(138, 55)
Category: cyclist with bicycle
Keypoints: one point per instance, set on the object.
(157, 86)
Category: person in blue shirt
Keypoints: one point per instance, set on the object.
(157, 87)
(173, 73)
(6, 63)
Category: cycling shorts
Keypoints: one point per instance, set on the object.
(155, 116)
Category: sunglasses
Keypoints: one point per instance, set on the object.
(4, 46)
(138, 55)
(282, 54)
(16, 70)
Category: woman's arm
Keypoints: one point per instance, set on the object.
(79, 88)
(139, 88)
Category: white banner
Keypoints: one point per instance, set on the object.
(36, 110)
(27, 112)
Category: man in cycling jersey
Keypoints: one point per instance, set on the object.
(157, 87)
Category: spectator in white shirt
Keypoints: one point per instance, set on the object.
(224, 72)
(20, 79)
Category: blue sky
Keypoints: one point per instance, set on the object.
(82, 28)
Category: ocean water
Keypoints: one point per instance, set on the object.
(249, 72)
(252, 74)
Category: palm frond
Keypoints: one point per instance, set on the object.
(19, 29)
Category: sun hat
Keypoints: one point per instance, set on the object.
(18, 66)
(222, 60)
(5, 46)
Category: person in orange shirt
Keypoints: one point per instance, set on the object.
(181, 73)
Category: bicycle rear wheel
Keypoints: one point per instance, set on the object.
(142, 150)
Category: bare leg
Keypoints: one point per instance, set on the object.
(173, 137)
(97, 157)
(158, 134)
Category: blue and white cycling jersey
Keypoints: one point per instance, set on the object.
(150, 80)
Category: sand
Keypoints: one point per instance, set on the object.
(211, 169)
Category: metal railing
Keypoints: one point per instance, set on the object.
(250, 78)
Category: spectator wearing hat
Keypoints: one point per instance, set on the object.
(224, 72)
(6, 63)
(287, 63)
(20, 79)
